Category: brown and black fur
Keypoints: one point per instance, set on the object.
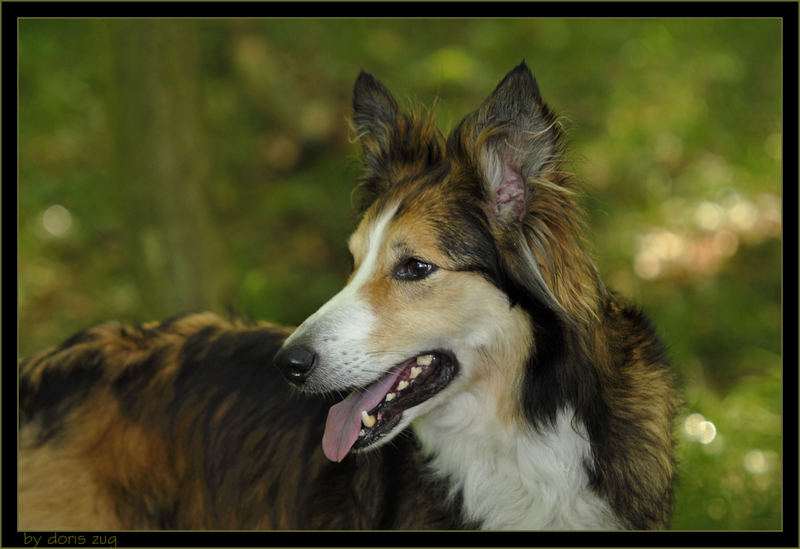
(187, 425)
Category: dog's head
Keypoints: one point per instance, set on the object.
(467, 251)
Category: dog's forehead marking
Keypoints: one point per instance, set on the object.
(367, 242)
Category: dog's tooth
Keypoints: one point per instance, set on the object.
(362, 432)
(402, 385)
(424, 360)
(415, 371)
(389, 396)
(367, 419)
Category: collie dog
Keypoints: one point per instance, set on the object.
(474, 372)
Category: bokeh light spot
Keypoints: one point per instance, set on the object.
(708, 216)
(743, 215)
(700, 429)
(647, 265)
(56, 220)
(756, 462)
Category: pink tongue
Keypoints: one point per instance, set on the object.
(344, 419)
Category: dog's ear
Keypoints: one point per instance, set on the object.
(516, 141)
(513, 144)
(375, 116)
(394, 145)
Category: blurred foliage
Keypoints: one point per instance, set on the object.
(675, 130)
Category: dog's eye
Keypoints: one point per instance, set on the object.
(413, 269)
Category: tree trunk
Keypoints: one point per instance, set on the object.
(163, 166)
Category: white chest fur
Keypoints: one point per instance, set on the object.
(511, 477)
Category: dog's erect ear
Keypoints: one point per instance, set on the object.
(516, 141)
(375, 112)
(375, 117)
(394, 145)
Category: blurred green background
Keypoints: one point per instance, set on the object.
(169, 165)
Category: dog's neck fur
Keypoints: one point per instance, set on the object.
(509, 476)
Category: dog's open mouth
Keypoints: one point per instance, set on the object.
(367, 415)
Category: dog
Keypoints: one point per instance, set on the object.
(474, 372)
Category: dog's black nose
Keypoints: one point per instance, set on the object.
(296, 363)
